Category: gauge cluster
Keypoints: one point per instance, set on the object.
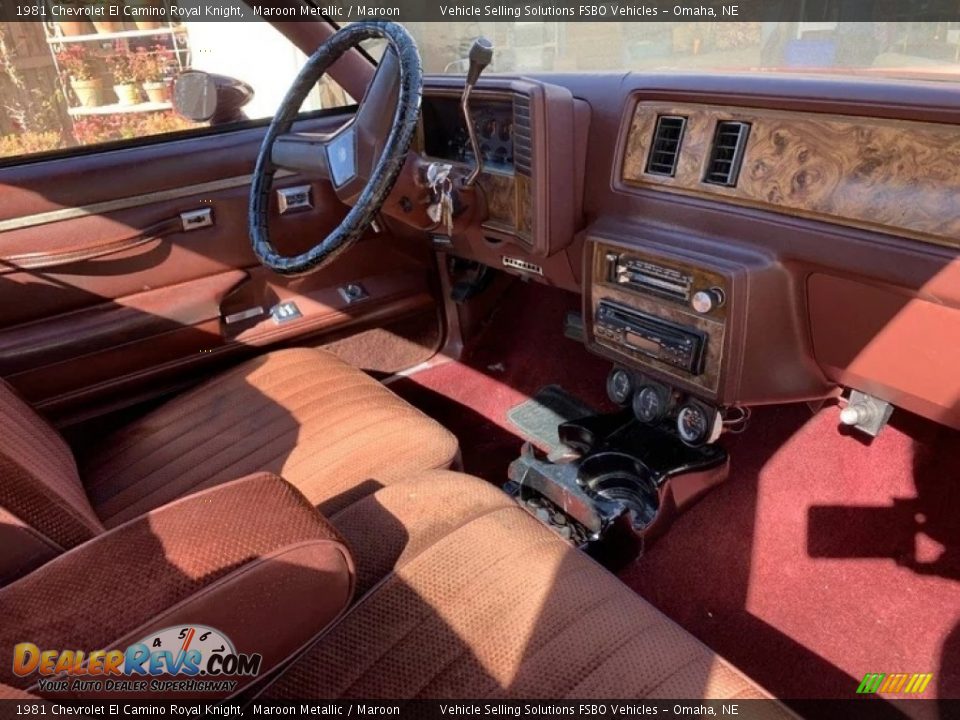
(446, 138)
(531, 138)
(653, 403)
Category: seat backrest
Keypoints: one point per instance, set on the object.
(43, 507)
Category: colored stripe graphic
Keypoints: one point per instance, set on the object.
(871, 683)
(893, 683)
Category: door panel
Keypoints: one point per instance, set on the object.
(77, 338)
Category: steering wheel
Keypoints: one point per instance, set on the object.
(362, 159)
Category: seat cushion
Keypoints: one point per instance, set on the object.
(43, 508)
(398, 522)
(495, 605)
(322, 425)
(270, 587)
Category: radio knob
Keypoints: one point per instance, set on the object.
(703, 301)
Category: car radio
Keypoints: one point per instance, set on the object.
(649, 277)
(681, 346)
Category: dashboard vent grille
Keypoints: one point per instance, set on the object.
(665, 149)
(727, 153)
(522, 138)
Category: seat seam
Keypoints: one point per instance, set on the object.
(673, 673)
(609, 653)
(363, 599)
(185, 402)
(293, 467)
(309, 420)
(527, 656)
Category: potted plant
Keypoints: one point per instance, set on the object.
(102, 21)
(85, 71)
(72, 28)
(151, 70)
(123, 67)
(143, 10)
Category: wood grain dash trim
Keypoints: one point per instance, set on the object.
(893, 176)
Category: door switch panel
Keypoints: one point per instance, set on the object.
(294, 199)
(285, 312)
(353, 292)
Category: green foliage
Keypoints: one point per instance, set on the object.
(123, 66)
(30, 108)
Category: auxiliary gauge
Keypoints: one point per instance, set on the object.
(697, 424)
(619, 386)
(650, 404)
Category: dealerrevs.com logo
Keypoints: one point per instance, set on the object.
(195, 658)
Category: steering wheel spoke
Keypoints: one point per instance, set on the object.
(373, 119)
(363, 159)
(301, 152)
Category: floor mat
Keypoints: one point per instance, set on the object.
(539, 417)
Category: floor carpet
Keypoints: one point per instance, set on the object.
(514, 356)
(822, 558)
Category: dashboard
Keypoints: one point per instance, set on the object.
(446, 138)
(531, 192)
(737, 240)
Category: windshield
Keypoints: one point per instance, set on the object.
(897, 49)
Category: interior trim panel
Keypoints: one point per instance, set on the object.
(125, 203)
(892, 176)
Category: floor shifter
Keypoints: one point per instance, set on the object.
(481, 53)
(447, 200)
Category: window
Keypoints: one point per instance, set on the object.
(921, 50)
(74, 84)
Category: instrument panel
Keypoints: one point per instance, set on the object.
(446, 138)
(820, 291)
(530, 194)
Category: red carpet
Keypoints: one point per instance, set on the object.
(522, 350)
(821, 559)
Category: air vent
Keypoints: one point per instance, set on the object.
(522, 138)
(665, 149)
(727, 153)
